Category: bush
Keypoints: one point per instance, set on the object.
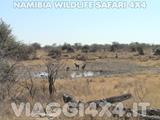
(77, 46)
(85, 49)
(114, 46)
(133, 49)
(157, 51)
(95, 48)
(7, 72)
(68, 48)
(8, 78)
(25, 52)
(81, 57)
(48, 48)
(55, 53)
(36, 46)
(140, 50)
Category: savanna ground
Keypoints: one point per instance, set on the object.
(138, 75)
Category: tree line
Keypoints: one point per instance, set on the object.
(13, 49)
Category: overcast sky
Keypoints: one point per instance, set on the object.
(86, 26)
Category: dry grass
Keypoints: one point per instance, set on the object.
(143, 86)
(101, 87)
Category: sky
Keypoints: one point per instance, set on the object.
(86, 26)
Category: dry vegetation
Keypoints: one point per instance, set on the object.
(123, 69)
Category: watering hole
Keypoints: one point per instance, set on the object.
(73, 74)
(81, 74)
(95, 69)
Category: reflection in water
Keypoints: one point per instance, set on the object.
(73, 74)
(78, 74)
(40, 74)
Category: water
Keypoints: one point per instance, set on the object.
(40, 74)
(78, 74)
(72, 74)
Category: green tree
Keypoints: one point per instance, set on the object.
(9, 47)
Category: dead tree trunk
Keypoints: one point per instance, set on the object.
(114, 99)
(151, 114)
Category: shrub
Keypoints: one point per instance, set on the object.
(48, 48)
(36, 46)
(7, 71)
(25, 52)
(81, 57)
(114, 46)
(68, 48)
(140, 50)
(77, 46)
(133, 49)
(157, 51)
(55, 53)
(95, 48)
(85, 49)
(8, 78)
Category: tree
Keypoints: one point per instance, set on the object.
(114, 46)
(36, 46)
(6, 39)
(77, 46)
(52, 70)
(68, 48)
(10, 48)
(85, 49)
(94, 48)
